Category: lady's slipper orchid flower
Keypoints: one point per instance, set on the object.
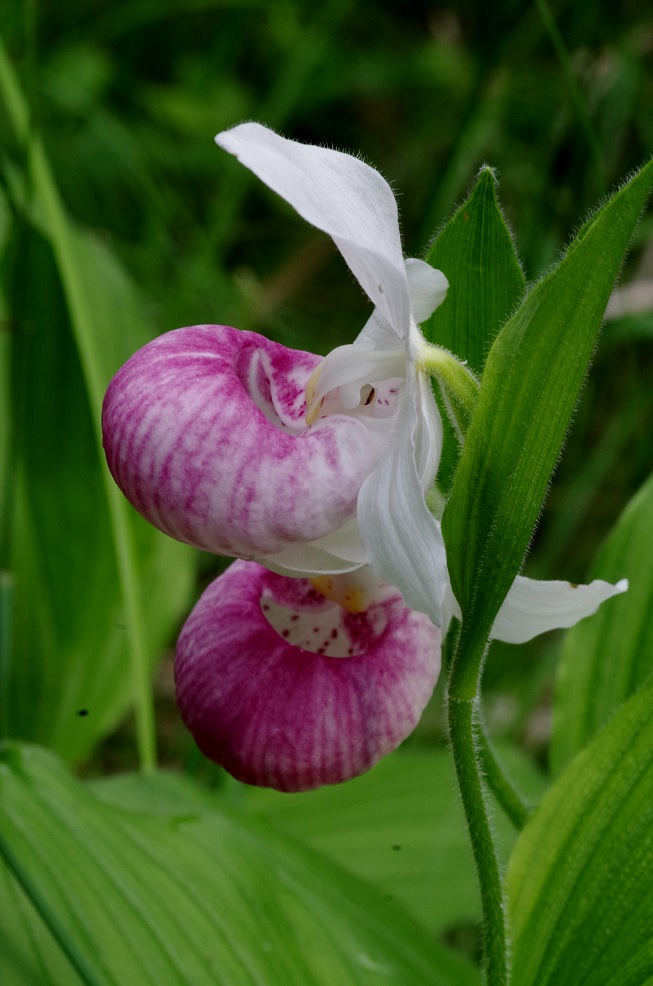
(395, 532)
(240, 446)
(287, 688)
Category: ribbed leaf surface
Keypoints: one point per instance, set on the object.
(580, 880)
(476, 253)
(151, 881)
(402, 827)
(606, 659)
(97, 591)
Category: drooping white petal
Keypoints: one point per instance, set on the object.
(429, 434)
(340, 195)
(306, 560)
(450, 609)
(345, 542)
(337, 553)
(427, 288)
(403, 541)
(532, 606)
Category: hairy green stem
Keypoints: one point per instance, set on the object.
(458, 384)
(463, 733)
(499, 783)
(465, 736)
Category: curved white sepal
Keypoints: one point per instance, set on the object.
(376, 334)
(450, 609)
(342, 196)
(533, 607)
(427, 288)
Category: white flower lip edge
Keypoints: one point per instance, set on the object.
(401, 540)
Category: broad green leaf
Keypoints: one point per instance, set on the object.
(29, 954)
(605, 659)
(5, 351)
(69, 674)
(400, 826)
(580, 880)
(141, 881)
(530, 385)
(476, 253)
(97, 591)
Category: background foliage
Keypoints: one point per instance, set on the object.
(120, 219)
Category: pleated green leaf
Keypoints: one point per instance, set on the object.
(580, 880)
(400, 826)
(476, 253)
(29, 954)
(69, 675)
(605, 659)
(97, 591)
(147, 880)
(530, 386)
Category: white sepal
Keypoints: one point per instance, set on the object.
(533, 607)
(342, 196)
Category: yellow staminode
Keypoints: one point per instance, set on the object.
(353, 591)
(313, 403)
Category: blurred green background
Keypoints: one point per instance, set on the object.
(559, 99)
(128, 97)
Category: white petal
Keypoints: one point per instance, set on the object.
(427, 288)
(402, 540)
(340, 195)
(377, 333)
(532, 607)
(450, 609)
